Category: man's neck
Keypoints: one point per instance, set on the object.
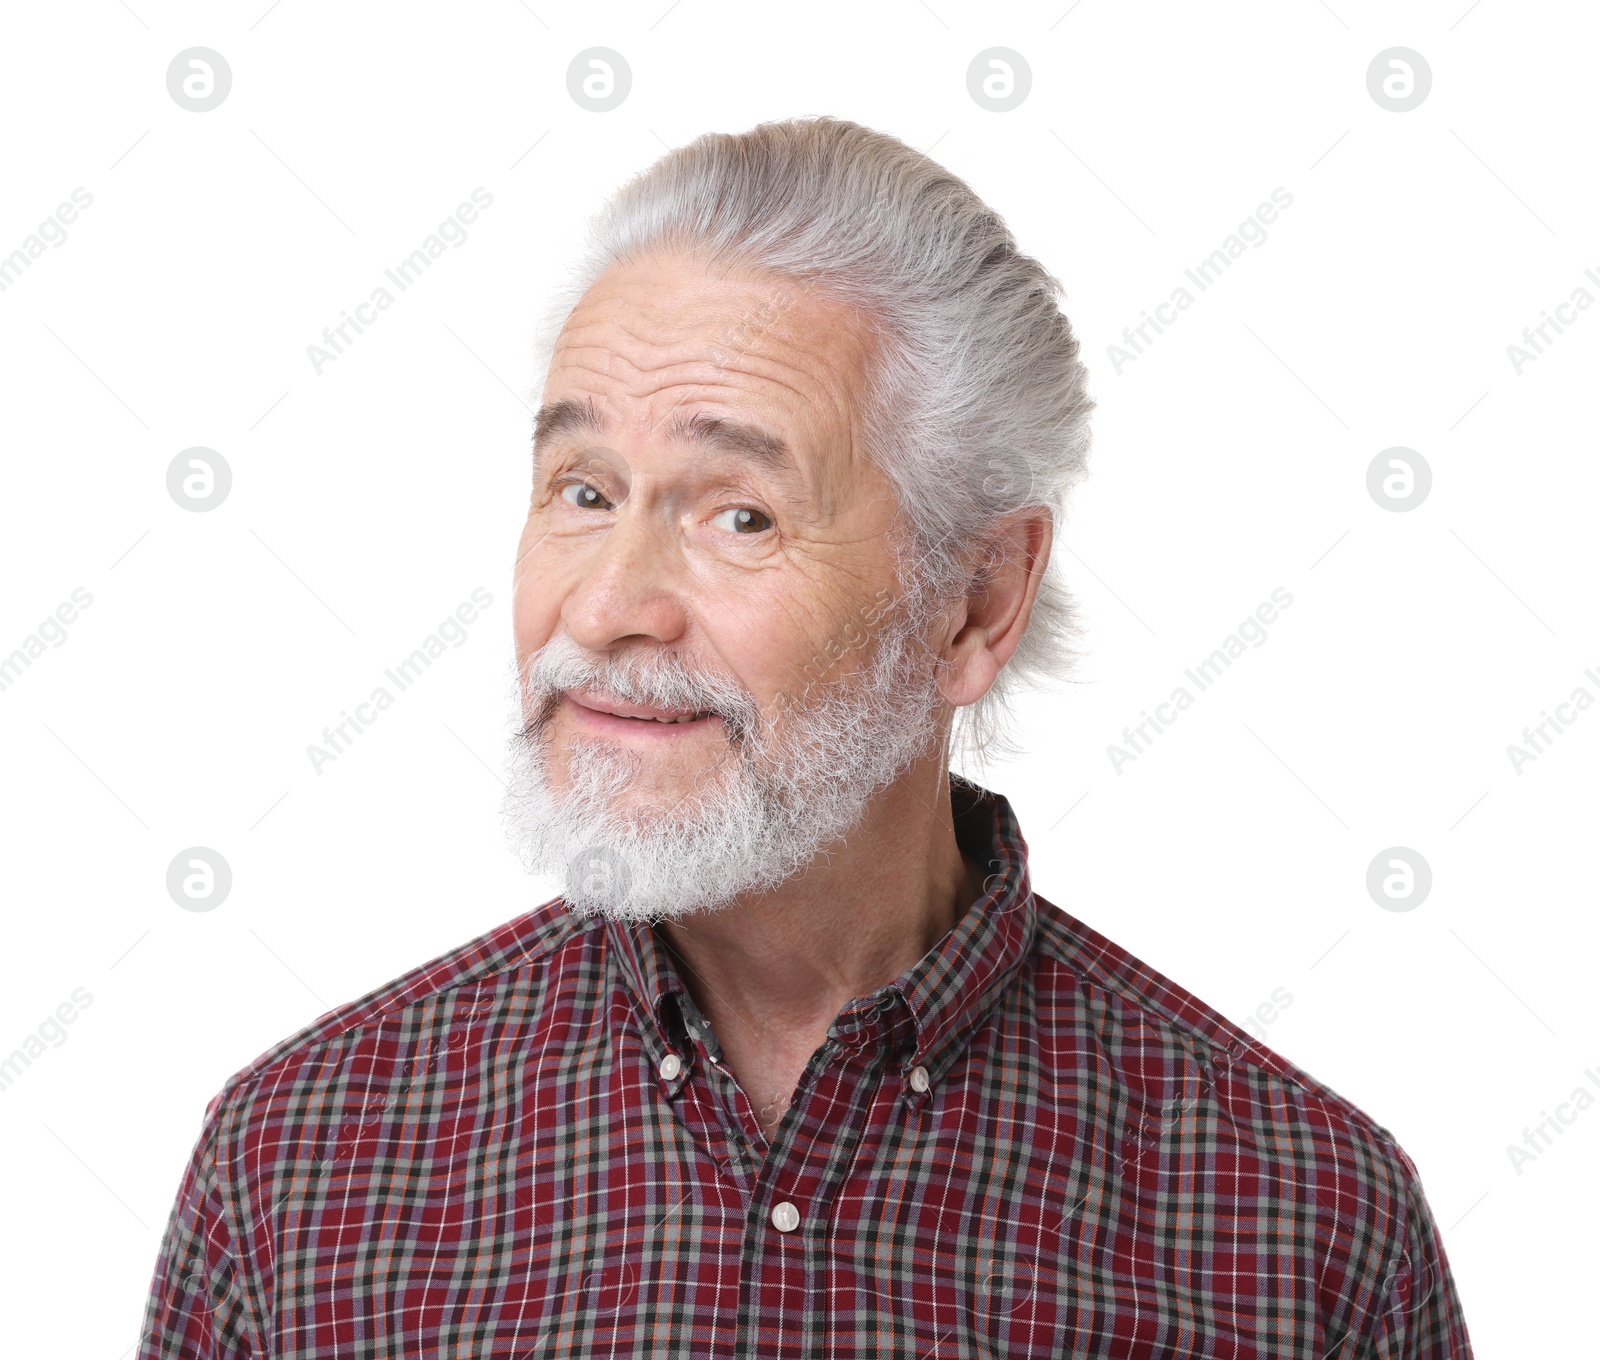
(770, 974)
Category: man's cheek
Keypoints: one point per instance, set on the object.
(535, 619)
(544, 579)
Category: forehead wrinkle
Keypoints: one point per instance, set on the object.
(624, 314)
(679, 321)
(792, 377)
(613, 328)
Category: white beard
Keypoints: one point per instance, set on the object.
(780, 793)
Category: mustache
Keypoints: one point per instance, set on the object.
(655, 679)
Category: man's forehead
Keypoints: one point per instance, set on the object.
(753, 366)
(643, 320)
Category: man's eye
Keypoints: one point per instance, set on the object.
(743, 521)
(584, 496)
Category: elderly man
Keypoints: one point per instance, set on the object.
(798, 1064)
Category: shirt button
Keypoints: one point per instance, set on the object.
(670, 1067)
(785, 1217)
(919, 1078)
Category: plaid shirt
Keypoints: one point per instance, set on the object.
(1029, 1144)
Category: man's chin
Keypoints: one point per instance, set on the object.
(642, 867)
(644, 800)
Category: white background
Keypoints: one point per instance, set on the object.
(369, 500)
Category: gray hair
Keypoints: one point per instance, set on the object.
(976, 405)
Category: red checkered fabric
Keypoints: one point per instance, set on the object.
(1030, 1144)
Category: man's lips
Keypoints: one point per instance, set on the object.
(609, 716)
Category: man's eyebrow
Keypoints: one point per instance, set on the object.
(761, 446)
(567, 416)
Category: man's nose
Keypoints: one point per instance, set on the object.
(630, 584)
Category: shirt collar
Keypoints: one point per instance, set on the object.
(934, 1005)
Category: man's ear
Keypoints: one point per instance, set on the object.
(1007, 573)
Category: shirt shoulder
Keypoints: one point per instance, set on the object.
(1126, 992)
(520, 945)
(1178, 1084)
